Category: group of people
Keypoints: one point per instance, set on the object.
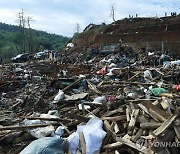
(131, 16)
(173, 14)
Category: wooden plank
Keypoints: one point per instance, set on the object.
(134, 76)
(116, 118)
(65, 89)
(164, 103)
(137, 136)
(116, 152)
(77, 117)
(126, 140)
(83, 109)
(132, 122)
(47, 119)
(94, 112)
(150, 125)
(26, 126)
(147, 111)
(82, 142)
(164, 126)
(161, 113)
(138, 83)
(155, 102)
(177, 129)
(112, 146)
(109, 130)
(142, 119)
(132, 106)
(140, 100)
(72, 84)
(128, 111)
(95, 104)
(109, 113)
(157, 115)
(116, 127)
(93, 87)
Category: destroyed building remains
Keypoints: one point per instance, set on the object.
(99, 98)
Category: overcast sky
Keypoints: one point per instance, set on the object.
(62, 16)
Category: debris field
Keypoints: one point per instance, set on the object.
(106, 102)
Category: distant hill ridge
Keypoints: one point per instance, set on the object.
(34, 40)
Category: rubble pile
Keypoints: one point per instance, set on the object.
(119, 102)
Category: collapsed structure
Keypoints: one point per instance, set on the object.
(93, 98)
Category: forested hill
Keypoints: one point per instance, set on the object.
(11, 39)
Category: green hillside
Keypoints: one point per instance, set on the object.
(11, 41)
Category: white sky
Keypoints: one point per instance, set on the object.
(61, 16)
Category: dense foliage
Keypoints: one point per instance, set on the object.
(11, 41)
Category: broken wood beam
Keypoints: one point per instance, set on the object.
(82, 142)
(150, 125)
(66, 88)
(95, 104)
(47, 119)
(26, 126)
(72, 84)
(134, 115)
(109, 130)
(137, 136)
(109, 113)
(155, 112)
(116, 118)
(77, 117)
(137, 100)
(164, 126)
(93, 87)
(157, 115)
(112, 146)
(134, 76)
(128, 112)
(94, 112)
(177, 128)
(140, 83)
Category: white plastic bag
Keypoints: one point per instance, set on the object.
(59, 96)
(93, 135)
(100, 100)
(42, 131)
(148, 75)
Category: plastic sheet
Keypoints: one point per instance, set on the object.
(158, 91)
(93, 134)
(59, 96)
(47, 145)
(100, 100)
